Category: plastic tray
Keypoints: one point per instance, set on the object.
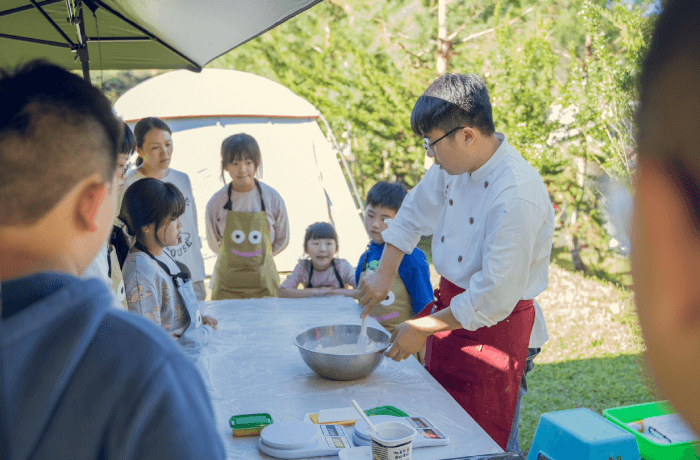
(386, 410)
(648, 449)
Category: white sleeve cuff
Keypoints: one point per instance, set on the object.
(404, 241)
(463, 311)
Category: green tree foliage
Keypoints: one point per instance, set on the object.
(333, 57)
(562, 76)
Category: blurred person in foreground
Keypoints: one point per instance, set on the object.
(666, 226)
(79, 379)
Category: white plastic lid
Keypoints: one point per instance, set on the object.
(289, 435)
(361, 426)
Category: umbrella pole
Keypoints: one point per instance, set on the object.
(83, 44)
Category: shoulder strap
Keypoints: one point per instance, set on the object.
(366, 263)
(337, 274)
(262, 202)
(311, 273)
(229, 205)
(184, 275)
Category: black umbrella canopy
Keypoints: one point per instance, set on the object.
(134, 34)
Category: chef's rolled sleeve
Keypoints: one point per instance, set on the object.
(510, 241)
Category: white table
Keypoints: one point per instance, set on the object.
(252, 366)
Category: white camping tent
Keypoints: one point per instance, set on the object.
(203, 109)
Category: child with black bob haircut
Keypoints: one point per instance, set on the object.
(321, 273)
(411, 290)
(80, 379)
(157, 286)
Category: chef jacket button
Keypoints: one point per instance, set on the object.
(442, 240)
(450, 201)
(459, 259)
(486, 184)
(471, 220)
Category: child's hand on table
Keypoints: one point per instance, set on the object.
(209, 321)
(323, 291)
(343, 291)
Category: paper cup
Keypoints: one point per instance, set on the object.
(393, 441)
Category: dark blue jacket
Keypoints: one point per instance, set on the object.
(80, 379)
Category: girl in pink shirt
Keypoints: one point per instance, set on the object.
(321, 273)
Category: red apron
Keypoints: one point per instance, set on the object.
(482, 369)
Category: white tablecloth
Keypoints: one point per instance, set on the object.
(252, 366)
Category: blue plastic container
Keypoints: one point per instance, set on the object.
(579, 434)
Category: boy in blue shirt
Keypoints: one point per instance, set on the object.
(411, 290)
(80, 379)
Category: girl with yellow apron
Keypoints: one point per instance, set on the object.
(245, 267)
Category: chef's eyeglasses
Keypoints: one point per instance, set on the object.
(428, 146)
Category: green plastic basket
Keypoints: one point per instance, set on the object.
(648, 449)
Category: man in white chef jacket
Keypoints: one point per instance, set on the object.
(492, 224)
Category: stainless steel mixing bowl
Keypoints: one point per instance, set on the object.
(340, 367)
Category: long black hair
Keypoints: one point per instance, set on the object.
(150, 201)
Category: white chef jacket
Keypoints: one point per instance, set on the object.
(492, 236)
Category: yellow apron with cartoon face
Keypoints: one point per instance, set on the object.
(245, 267)
(397, 306)
(117, 279)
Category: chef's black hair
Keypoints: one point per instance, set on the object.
(150, 201)
(387, 195)
(453, 100)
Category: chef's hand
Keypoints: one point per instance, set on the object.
(208, 320)
(406, 340)
(376, 285)
(373, 289)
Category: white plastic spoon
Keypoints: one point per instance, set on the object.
(364, 416)
(363, 340)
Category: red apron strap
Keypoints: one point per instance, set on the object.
(482, 369)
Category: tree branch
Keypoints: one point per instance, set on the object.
(492, 29)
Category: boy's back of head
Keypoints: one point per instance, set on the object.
(55, 130)
(386, 195)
